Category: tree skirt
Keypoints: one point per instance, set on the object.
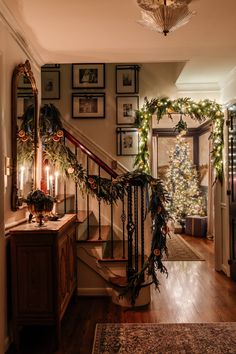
(169, 338)
(180, 250)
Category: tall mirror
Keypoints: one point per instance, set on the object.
(24, 134)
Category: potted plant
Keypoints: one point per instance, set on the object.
(39, 204)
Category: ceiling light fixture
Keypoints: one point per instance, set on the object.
(165, 16)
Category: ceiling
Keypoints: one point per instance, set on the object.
(68, 31)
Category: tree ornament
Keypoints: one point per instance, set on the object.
(157, 252)
(21, 133)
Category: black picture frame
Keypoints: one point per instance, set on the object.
(50, 85)
(88, 76)
(127, 141)
(50, 66)
(24, 100)
(127, 79)
(88, 105)
(24, 83)
(126, 107)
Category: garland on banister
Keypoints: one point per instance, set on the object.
(109, 191)
(199, 111)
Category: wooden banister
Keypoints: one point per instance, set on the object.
(89, 153)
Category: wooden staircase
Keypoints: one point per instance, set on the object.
(110, 237)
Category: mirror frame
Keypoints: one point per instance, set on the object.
(22, 69)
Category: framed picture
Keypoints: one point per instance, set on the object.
(24, 83)
(51, 66)
(127, 80)
(86, 76)
(50, 85)
(126, 107)
(127, 141)
(24, 100)
(88, 105)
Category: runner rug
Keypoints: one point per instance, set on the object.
(154, 338)
(180, 250)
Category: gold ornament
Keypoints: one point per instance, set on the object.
(70, 170)
(157, 252)
(21, 133)
(60, 133)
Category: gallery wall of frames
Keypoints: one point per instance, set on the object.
(91, 95)
(100, 100)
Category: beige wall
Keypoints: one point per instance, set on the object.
(155, 79)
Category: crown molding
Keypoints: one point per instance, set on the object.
(198, 87)
(18, 34)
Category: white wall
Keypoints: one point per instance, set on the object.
(11, 54)
(204, 156)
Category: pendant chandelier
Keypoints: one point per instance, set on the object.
(165, 16)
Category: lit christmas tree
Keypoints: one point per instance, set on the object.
(182, 183)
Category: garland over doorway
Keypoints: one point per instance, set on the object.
(198, 111)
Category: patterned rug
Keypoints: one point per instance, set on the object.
(170, 338)
(180, 250)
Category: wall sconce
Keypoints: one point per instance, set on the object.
(8, 166)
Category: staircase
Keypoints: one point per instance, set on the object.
(110, 237)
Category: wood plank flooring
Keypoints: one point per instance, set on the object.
(193, 292)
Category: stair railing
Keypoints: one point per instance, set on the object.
(131, 225)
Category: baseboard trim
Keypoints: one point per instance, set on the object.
(94, 291)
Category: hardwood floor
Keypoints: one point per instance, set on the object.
(193, 292)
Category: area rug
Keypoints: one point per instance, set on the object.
(180, 250)
(153, 338)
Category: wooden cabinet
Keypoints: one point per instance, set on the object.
(43, 261)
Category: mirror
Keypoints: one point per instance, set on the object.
(24, 134)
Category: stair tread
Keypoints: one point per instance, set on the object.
(115, 259)
(120, 281)
(94, 233)
(61, 197)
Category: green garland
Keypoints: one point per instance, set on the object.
(107, 190)
(200, 111)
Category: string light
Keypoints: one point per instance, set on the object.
(199, 111)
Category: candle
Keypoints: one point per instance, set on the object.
(47, 177)
(56, 183)
(22, 169)
(51, 185)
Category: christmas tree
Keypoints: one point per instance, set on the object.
(182, 183)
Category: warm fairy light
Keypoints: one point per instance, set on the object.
(56, 183)
(47, 168)
(22, 171)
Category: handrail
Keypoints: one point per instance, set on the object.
(89, 153)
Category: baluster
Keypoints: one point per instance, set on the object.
(76, 189)
(130, 229)
(142, 226)
(123, 219)
(88, 224)
(64, 184)
(112, 230)
(136, 227)
(99, 204)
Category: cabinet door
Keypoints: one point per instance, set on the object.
(34, 280)
(63, 271)
(72, 259)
